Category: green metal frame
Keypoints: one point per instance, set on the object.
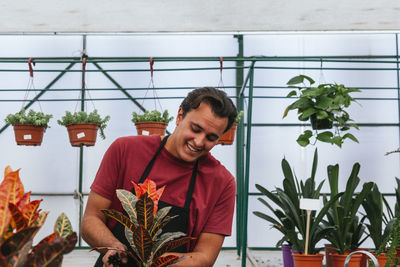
(244, 92)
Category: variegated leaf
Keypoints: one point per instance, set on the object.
(48, 239)
(17, 241)
(155, 230)
(129, 237)
(118, 216)
(31, 212)
(164, 261)
(63, 226)
(144, 209)
(17, 216)
(172, 245)
(164, 239)
(19, 259)
(128, 201)
(41, 219)
(25, 200)
(143, 242)
(161, 214)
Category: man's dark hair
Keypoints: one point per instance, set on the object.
(221, 104)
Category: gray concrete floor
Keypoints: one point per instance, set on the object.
(226, 258)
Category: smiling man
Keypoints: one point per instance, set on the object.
(200, 190)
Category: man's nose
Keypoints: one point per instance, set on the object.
(199, 140)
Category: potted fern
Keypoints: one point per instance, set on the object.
(82, 127)
(152, 122)
(29, 127)
(228, 137)
(325, 105)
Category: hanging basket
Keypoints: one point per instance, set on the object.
(28, 134)
(151, 127)
(228, 137)
(82, 134)
(317, 124)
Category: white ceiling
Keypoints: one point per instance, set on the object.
(134, 16)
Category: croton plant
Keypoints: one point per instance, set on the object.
(144, 224)
(20, 220)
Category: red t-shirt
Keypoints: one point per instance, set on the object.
(212, 205)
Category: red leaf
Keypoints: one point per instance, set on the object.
(18, 217)
(30, 211)
(173, 244)
(143, 242)
(150, 188)
(13, 244)
(164, 261)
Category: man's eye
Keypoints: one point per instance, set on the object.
(212, 138)
(195, 129)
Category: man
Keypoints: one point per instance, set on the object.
(200, 190)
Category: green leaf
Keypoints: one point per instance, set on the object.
(63, 226)
(325, 136)
(128, 201)
(304, 139)
(292, 93)
(352, 137)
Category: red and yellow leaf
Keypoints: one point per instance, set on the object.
(31, 212)
(17, 241)
(19, 221)
(150, 188)
(144, 209)
(164, 261)
(118, 216)
(143, 242)
(172, 245)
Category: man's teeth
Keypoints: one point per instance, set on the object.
(193, 149)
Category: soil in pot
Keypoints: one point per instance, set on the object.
(28, 134)
(317, 124)
(301, 260)
(150, 127)
(82, 134)
(228, 137)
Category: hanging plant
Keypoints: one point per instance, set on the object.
(152, 122)
(29, 127)
(82, 127)
(143, 226)
(325, 105)
(228, 137)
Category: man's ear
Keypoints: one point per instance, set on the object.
(179, 117)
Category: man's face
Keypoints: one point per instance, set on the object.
(196, 134)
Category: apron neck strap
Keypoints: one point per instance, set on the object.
(151, 163)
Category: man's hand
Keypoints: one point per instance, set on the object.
(119, 251)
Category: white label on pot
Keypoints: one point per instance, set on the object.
(310, 204)
(80, 135)
(27, 136)
(144, 132)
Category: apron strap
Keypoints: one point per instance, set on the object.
(191, 187)
(151, 163)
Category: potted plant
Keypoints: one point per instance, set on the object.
(291, 216)
(348, 228)
(152, 122)
(21, 220)
(143, 226)
(29, 127)
(82, 127)
(228, 137)
(325, 105)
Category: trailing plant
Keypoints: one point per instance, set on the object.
(326, 101)
(84, 117)
(20, 220)
(32, 117)
(154, 115)
(290, 219)
(348, 229)
(393, 242)
(144, 223)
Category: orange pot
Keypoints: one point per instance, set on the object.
(82, 134)
(382, 259)
(228, 137)
(28, 134)
(338, 260)
(301, 260)
(151, 127)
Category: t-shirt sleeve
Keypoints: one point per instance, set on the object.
(106, 180)
(220, 220)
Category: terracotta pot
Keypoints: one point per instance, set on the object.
(317, 124)
(151, 127)
(301, 260)
(338, 260)
(82, 134)
(28, 134)
(228, 137)
(382, 259)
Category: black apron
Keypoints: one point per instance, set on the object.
(178, 224)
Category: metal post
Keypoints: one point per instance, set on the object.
(239, 144)
(245, 191)
(398, 82)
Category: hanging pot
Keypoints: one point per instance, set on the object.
(301, 260)
(228, 137)
(287, 256)
(151, 127)
(82, 134)
(317, 124)
(28, 134)
(338, 260)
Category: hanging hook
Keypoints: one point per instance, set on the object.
(151, 67)
(221, 63)
(30, 62)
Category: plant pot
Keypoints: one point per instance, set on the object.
(329, 251)
(82, 134)
(398, 253)
(382, 259)
(317, 124)
(338, 260)
(151, 127)
(287, 256)
(28, 134)
(228, 137)
(301, 260)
